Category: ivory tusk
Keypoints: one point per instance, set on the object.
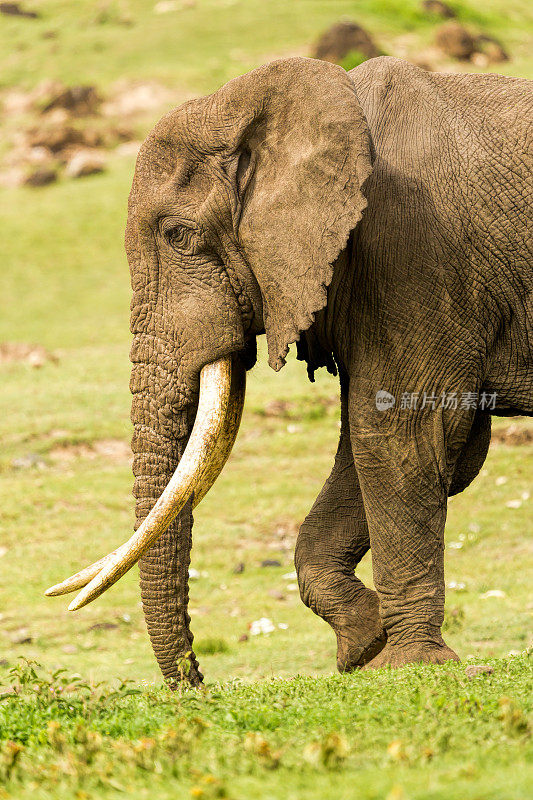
(222, 390)
(81, 578)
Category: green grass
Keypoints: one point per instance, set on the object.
(64, 284)
(421, 732)
(196, 49)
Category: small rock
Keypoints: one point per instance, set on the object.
(270, 562)
(439, 8)
(243, 638)
(3, 551)
(498, 593)
(70, 649)
(36, 359)
(455, 41)
(276, 594)
(85, 162)
(14, 10)
(473, 670)
(22, 636)
(41, 176)
(259, 626)
(342, 39)
(238, 568)
(514, 503)
(289, 576)
(480, 60)
(37, 155)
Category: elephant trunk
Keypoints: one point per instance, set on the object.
(174, 468)
(164, 568)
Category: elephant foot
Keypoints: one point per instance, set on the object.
(360, 634)
(398, 655)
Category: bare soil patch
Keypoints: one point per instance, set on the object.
(33, 354)
(513, 435)
(115, 450)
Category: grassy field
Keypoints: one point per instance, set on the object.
(65, 482)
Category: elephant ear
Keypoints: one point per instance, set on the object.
(304, 154)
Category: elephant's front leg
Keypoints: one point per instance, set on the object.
(331, 542)
(404, 486)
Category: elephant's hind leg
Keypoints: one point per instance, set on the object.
(331, 542)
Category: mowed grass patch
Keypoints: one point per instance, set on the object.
(419, 732)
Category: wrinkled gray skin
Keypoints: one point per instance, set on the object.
(379, 218)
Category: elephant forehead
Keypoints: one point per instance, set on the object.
(175, 138)
(168, 159)
(158, 177)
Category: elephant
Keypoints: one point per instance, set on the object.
(377, 218)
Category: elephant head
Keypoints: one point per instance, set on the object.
(240, 205)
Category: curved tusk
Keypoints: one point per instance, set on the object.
(228, 433)
(222, 390)
(81, 578)
(219, 455)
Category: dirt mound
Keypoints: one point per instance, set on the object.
(14, 10)
(57, 136)
(492, 49)
(457, 42)
(78, 100)
(438, 8)
(41, 176)
(66, 130)
(342, 39)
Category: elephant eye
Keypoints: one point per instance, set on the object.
(178, 237)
